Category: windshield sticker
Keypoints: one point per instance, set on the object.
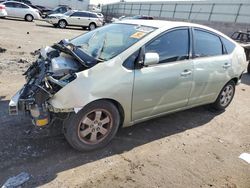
(137, 35)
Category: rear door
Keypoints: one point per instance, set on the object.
(79, 19)
(165, 86)
(21, 10)
(11, 8)
(211, 67)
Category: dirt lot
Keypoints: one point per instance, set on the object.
(194, 148)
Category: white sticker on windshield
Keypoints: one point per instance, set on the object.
(144, 29)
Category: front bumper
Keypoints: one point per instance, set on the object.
(13, 104)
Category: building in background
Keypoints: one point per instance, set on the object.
(74, 4)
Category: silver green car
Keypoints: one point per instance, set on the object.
(126, 73)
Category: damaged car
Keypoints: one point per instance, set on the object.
(126, 73)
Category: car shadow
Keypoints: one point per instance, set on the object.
(44, 153)
(245, 79)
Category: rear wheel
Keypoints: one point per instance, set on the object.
(225, 97)
(29, 18)
(93, 127)
(92, 26)
(62, 24)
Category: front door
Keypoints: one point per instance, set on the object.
(165, 86)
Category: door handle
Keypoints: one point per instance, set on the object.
(186, 73)
(226, 65)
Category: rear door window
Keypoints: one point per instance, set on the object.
(230, 46)
(206, 44)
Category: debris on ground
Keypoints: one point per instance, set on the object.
(16, 181)
(2, 50)
(23, 61)
(245, 157)
(28, 33)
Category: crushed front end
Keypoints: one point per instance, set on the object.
(54, 68)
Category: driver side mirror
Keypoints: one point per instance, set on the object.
(151, 59)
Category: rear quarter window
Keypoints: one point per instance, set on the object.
(230, 46)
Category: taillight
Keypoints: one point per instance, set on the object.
(2, 7)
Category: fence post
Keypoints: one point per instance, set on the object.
(140, 9)
(190, 12)
(131, 8)
(149, 10)
(211, 12)
(174, 10)
(238, 12)
(161, 10)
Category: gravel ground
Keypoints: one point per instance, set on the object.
(193, 148)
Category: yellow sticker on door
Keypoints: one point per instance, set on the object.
(138, 35)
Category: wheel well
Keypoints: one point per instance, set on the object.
(92, 23)
(29, 15)
(63, 20)
(235, 80)
(118, 106)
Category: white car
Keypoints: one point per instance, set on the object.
(21, 10)
(3, 12)
(76, 18)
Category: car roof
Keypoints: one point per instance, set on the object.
(16, 2)
(167, 24)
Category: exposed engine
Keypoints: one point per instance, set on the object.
(54, 68)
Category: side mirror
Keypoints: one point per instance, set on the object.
(151, 59)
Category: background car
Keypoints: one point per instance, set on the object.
(76, 18)
(3, 12)
(137, 17)
(58, 10)
(21, 1)
(21, 10)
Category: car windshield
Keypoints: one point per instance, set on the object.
(69, 12)
(109, 41)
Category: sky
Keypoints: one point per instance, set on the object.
(113, 1)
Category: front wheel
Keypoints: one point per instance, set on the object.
(92, 26)
(225, 97)
(62, 24)
(93, 127)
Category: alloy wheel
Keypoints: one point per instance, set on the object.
(95, 126)
(226, 95)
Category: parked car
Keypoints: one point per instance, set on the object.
(21, 1)
(76, 18)
(21, 10)
(128, 72)
(243, 38)
(3, 12)
(137, 17)
(44, 10)
(58, 10)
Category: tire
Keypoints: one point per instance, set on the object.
(29, 18)
(62, 24)
(92, 26)
(248, 68)
(225, 97)
(93, 127)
